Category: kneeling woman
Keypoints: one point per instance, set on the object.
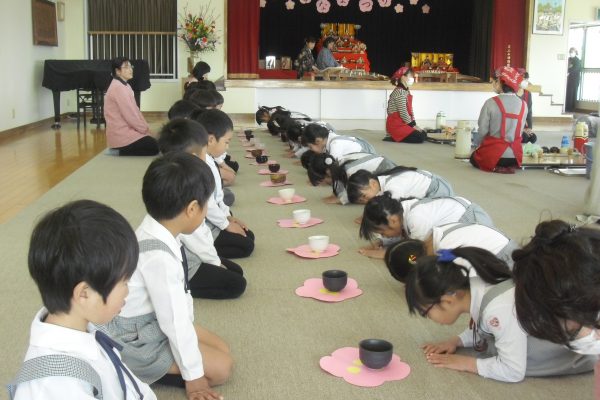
(501, 122)
(126, 129)
(473, 281)
(400, 124)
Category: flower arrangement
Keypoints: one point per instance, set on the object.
(199, 31)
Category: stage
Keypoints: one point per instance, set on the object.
(367, 100)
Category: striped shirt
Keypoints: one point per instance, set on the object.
(398, 102)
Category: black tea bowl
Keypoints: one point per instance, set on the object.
(261, 159)
(274, 167)
(375, 353)
(335, 280)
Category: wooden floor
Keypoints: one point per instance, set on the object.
(35, 159)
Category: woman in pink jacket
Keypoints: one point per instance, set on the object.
(126, 129)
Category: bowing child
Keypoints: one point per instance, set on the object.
(210, 276)
(474, 282)
(395, 219)
(400, 258)
(501, 121)
(232, 237)
(320, 139)
(400, 181)
(156, 326)
(325, 169)
(81, 257)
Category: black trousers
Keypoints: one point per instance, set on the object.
(146, 146)
(232, 245)
(216, 282)
(414, 137)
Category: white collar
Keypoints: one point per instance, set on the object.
(153, 228)
(63, 340)
(331, 136)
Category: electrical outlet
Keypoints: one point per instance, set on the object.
(560, 57)
(13, 113)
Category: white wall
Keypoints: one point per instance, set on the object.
(22, 62)
(547, 54)
(23, 99)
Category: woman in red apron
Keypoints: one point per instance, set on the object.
(400, 124)
(501, 122)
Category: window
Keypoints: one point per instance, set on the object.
(137, 29)
(586, 39)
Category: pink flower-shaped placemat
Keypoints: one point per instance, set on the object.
(345, 363)
(271, 184)
(290, 223)
(305, 251)
(314, 288)
(265, 171)
(263, 164)
(280, 201)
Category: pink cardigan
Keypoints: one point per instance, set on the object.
(125, 123)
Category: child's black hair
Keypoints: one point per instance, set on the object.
(82, 241)
(206, 85)
(261, 112)
(376, 213)
(180, 134)
(314, 131)
(327, 41)
(310, 39)
(400, 258)
(117, 63)
(200, 69)
(189, 91)
(203, 99)
(182, 109)
(278, 122)
(432, 278)
(557, 275)
(323, 164)
(173, 181)
(361, 178)
(216, 122)
(306, 158)
(294, 131)
(219, 99)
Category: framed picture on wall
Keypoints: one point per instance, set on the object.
(43, 13)
(548, 17)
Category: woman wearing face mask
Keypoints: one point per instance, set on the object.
(573, 78)
(400, 124)
(501, 121)
(557, 287)
(527, 135)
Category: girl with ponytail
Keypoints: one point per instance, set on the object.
(474, 282)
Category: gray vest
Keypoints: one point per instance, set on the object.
(365, 147)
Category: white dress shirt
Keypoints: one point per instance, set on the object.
(48, 339)
(419, 221)
(157, 285)
(474, 235)
(499, 319)
(406, 184)
(218, 211)
(340, 148)
(202, 243)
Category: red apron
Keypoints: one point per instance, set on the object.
(395, 125)
(491, 149)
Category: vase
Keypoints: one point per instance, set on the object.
(191, 61)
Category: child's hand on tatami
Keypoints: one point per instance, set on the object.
(370, 252)
(198, 389)
(447, 347)
(453, 361)
(358, 220)
(331, 199)
(240, 223)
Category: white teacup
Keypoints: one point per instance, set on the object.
(287, 194)
(301, 216)
(318, 243)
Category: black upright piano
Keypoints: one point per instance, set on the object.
(93, 75)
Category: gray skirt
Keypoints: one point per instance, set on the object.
(506, 253)
(474, 214)
(439, 187)
(146, 348)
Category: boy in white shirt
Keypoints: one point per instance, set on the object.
(232, 237)
(81, 256)
(320, 139)
(156, 325)
(211, 277)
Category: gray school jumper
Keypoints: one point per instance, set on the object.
(365, 147)
(384, 165)
(543, 358)
(57, 365)
(146, 349)
(439, 187)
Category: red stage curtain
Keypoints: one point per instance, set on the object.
(508, 29)
(243, 23)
